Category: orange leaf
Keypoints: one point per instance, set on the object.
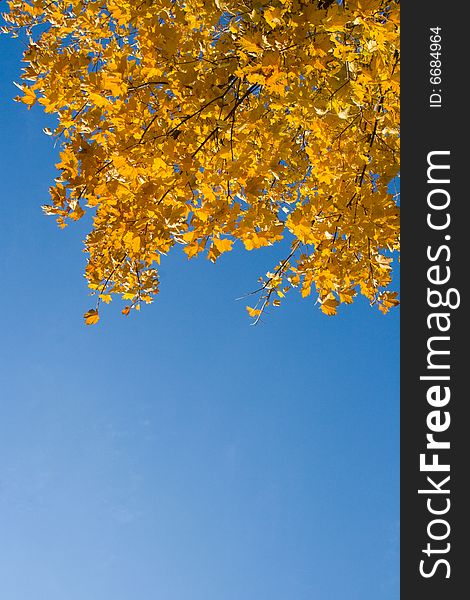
(91, 317)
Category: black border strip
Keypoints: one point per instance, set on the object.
(434, 124)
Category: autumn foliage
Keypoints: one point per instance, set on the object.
(213, 123)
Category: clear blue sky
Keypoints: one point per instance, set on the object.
(179, 453)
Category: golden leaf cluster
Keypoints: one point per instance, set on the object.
(217, 123)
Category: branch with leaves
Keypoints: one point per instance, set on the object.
(216, 125)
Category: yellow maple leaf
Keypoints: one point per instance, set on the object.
(91, 317)
(253, 312)
(273, 17)
(222, 245)
(347, 296)
(136, 243)
(387, 300)
(29, 97)
(249, 44)
(329, 306)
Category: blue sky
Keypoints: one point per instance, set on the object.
(180, 453)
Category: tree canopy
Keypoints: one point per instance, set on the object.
(212, 123)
